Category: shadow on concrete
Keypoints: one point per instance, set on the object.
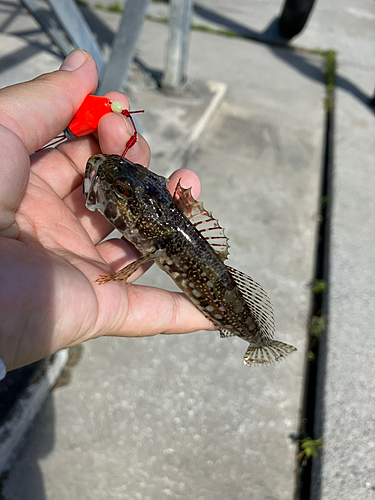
(272, 37)
(26, 479)
(14, 11)
(13, 386)
(18, 9)
(18, 57)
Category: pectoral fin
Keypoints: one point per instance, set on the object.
(125, 273)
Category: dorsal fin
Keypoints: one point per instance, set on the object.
(203, 221)
(258, 302)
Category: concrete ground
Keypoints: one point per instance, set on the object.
(181, 417)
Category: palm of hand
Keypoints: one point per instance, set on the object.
(56, 260)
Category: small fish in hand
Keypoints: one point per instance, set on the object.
(186, 242)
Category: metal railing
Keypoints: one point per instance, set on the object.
(68, 30)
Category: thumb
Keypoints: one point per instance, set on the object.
(37, 111)
(31, 114)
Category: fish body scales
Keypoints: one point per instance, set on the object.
(188, 244)
(208, 284)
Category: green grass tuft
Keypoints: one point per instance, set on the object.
(310, 356)
(317, 326)
(115, 7)
(310, 446)
(319, 286)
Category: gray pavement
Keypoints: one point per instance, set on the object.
(346, 404)
(194, 422)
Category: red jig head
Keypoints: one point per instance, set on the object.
(87, 118)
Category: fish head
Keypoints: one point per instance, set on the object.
(127, 194)
(108, 179)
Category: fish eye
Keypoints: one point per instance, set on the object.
(122, 189)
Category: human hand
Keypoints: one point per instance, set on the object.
(50, 250)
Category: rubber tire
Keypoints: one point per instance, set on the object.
(294, 16)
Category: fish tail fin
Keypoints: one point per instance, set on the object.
(268, 354)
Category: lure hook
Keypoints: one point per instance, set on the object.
(134, 137)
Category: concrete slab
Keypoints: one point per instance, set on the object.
(346, 407)
(333, 24)
(182, 417)
(21, 60)
(15, 20)
(172, 125)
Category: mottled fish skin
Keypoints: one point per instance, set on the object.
(137, 202)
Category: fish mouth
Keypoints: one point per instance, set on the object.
(93, 193)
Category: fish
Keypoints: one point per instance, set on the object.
(184, 240)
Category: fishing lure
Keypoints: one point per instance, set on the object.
(186, 242)
(87, 118)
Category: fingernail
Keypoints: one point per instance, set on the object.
(74, 60)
